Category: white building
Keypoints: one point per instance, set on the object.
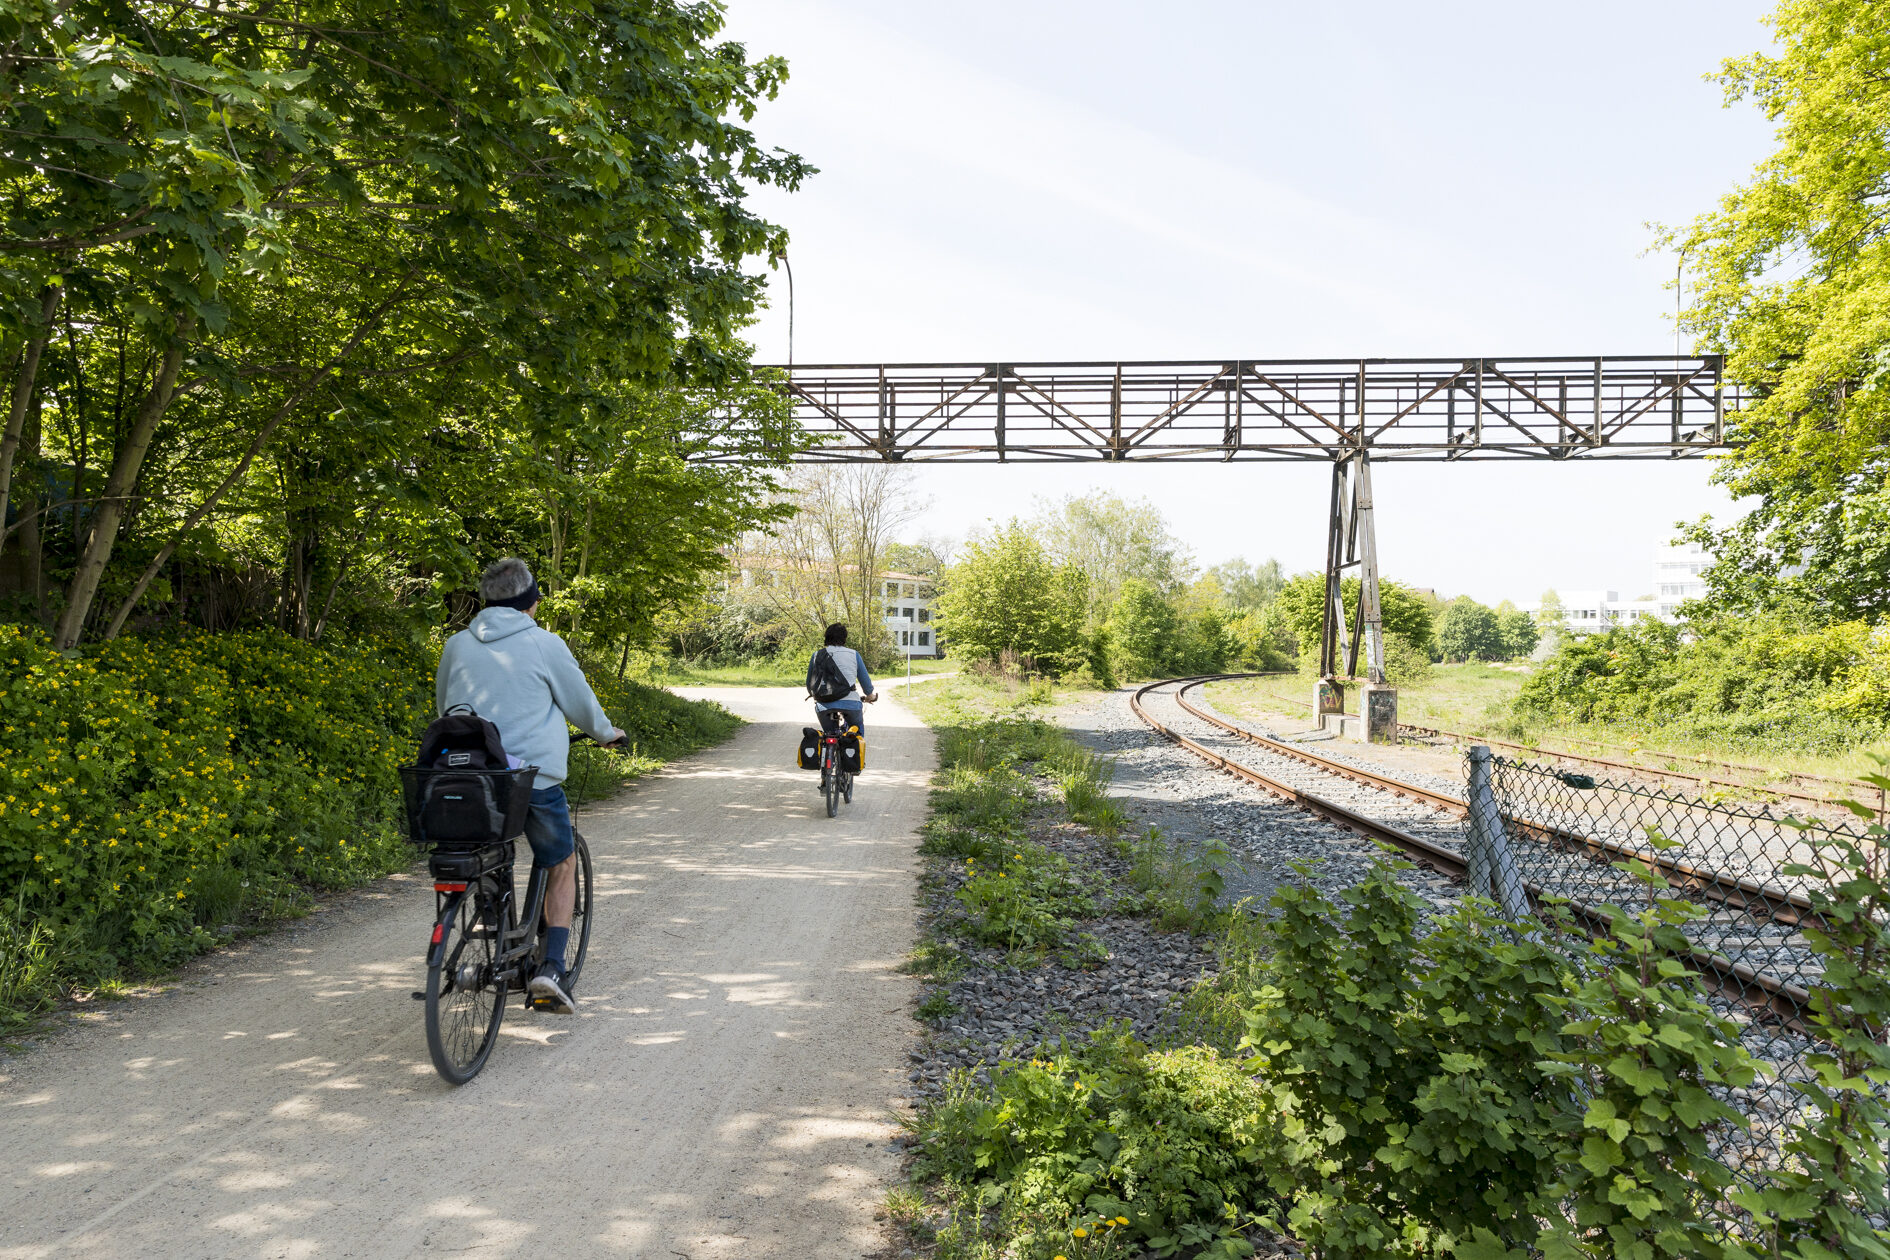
(1677, 571)
(909, 613)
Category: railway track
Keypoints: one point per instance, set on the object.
(1758, 783)
(1427, 825)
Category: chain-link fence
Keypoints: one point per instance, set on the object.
(1536, 831)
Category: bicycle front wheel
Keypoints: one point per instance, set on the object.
(580, 915)
(465, 996)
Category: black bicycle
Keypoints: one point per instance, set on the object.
(836, 781)
(487, 944)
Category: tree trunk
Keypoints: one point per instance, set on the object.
(111, 506)
(32, 542)
(203, 510)
(321, 622)
(23, 394)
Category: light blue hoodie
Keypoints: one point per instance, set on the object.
(523, 680)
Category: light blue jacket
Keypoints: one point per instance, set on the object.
(523, 680)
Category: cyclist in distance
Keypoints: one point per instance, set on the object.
(838, 714)
(524, 680)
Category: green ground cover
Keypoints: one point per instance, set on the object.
(1367, 1087)
(160, 795)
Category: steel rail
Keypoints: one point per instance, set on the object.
(1787, 908)
(1787, 1002)
(1591, 760)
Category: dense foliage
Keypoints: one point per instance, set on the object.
(1006, 594)
(1768, 681)
(161, 793)
(1381, 1090)
(311, 309)
(1789, 275)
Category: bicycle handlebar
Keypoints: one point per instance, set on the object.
(586, 737)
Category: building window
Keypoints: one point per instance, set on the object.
(891, 611)
(892, 590)
(925, 638)
(908, 614)
(925, 614)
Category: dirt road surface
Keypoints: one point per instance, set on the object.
(726, 1089)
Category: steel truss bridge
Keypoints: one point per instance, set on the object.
(1347, 413)
(1230, 410)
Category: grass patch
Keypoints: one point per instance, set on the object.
(1478, 700)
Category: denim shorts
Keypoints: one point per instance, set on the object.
(548, 826)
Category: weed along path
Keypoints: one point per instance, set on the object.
(726, 1090)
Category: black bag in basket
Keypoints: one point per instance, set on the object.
(460, 809)
(460, 739)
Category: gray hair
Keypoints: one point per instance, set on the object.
(505, 579)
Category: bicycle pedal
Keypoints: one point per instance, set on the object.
(418, 996)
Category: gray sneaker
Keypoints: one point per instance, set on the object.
(547, 990)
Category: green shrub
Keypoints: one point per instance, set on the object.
(1764, 681)
(1168, 1145)
(1027, 899)
(157, 791)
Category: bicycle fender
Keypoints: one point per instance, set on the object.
(436, 948)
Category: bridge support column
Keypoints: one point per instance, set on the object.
(1352, 543)
(1378, 713)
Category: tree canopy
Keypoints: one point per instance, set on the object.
(1790, 280)
(364, 292)
(1006, 595)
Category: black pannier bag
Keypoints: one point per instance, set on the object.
(464, 809)
(852, 752)
(807, 755)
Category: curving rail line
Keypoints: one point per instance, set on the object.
(1735, 980)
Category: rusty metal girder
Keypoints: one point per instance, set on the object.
(1548, 408)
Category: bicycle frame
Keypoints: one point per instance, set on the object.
(519, 937)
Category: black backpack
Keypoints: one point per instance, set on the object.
(460, 739)
(825, 682)
(459, 792)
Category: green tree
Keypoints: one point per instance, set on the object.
(1248, 587)
(1810, 341)
(1302, 600)
(1518, 630)
(265, 262)
(1005, 594)
(1112, 539)
(1146, 630)
(1470, 632)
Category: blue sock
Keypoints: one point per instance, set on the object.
(555, 941)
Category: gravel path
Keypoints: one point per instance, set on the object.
(726, 1090)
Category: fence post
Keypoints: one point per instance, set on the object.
(1492, 867)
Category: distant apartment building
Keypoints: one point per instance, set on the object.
(1677, 578)
(909, 599)
(1677, 571)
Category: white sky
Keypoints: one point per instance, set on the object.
(1037, 180)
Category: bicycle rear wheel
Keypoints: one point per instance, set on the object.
(465, 998)
(833, 787)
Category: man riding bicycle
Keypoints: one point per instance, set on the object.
(524, 680)
(835, 716)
